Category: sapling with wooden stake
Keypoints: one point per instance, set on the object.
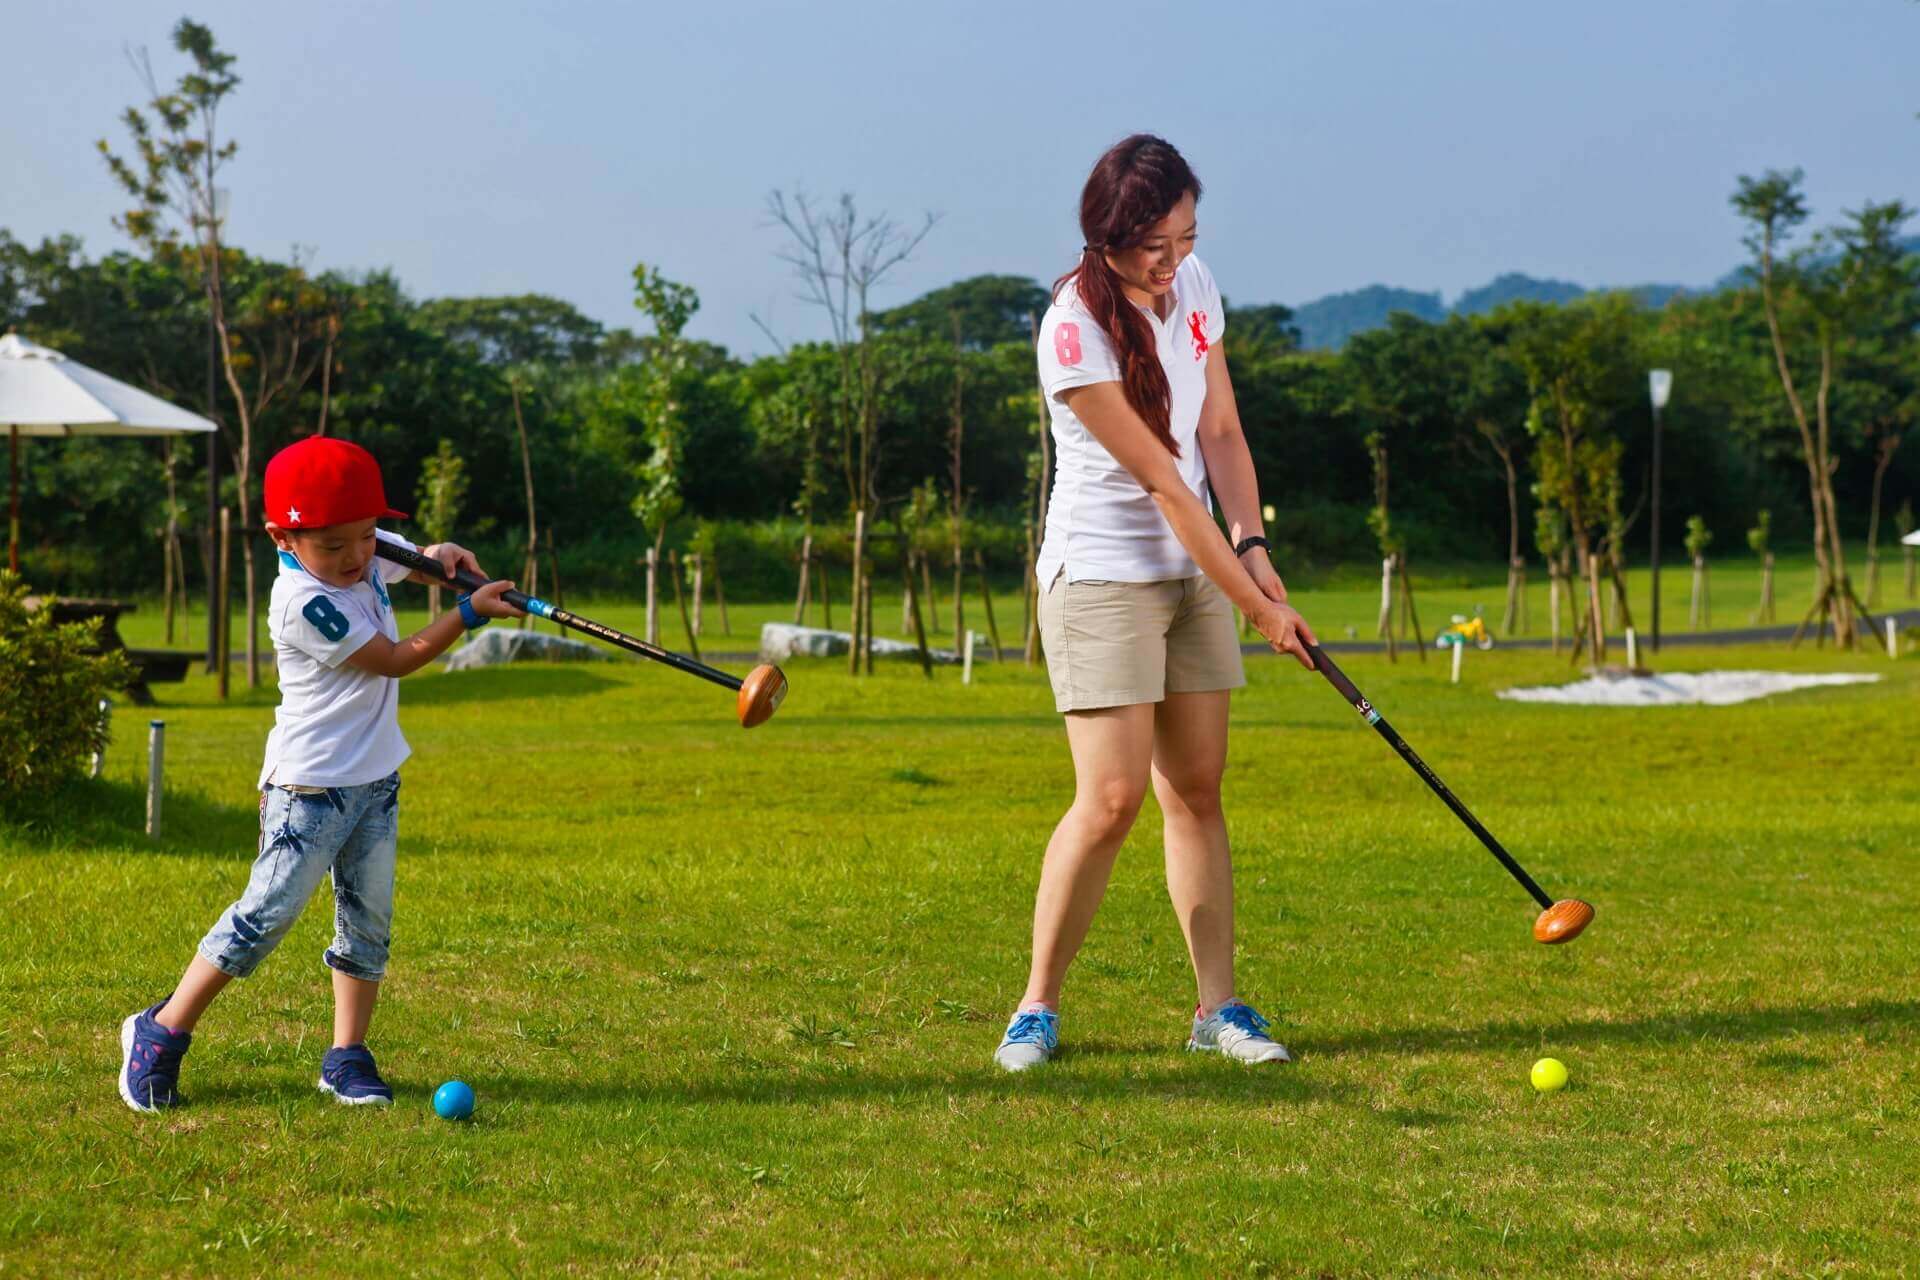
(1758, 539)
(1903, 521)
(1699, 611)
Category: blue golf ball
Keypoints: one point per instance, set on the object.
(453, 1100)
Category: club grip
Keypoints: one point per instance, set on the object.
(466, 579)
(1336, 677)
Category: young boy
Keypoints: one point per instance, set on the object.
(330, 787)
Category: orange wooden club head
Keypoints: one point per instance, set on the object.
(761, 694)
(1563, 921)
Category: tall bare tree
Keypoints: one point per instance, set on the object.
(1825, 296)
(840, 257)
(173, 175)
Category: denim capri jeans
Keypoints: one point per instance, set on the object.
(304, 834)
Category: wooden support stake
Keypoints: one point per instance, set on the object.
(966, 659)
(800, 596)
(986, 596)
(720, 597)
(225, 649)
(553, 566)
(653, 596)
(1459, 649)
(680, 599)
(695, 559)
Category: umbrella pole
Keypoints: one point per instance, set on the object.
(13, 505)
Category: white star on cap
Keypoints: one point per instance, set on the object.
(293, 515)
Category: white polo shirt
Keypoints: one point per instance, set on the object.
(1101, 524)
(336, 725)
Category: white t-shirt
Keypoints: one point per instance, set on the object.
(1101, 524)
(336, 725)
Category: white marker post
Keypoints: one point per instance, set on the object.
(156, 768)
(100, 757)
(1633, 651)
(966, 661)
(1893, 640)
(1458, 650)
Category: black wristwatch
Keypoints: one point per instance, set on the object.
(1247, 544)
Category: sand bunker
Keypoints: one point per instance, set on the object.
(1706, 688)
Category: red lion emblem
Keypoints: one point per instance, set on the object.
(1197, 321)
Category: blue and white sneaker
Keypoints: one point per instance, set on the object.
(150, 1061)
(1032, 1038)
(1237, 1031)
(349, 1075)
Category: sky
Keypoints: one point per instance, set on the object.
(490, 148)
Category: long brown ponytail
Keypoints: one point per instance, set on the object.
(1134, 185)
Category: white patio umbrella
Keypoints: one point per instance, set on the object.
(1912, 539)
(42, 393)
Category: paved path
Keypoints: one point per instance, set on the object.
(1904, 619)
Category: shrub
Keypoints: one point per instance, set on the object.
(50, 691)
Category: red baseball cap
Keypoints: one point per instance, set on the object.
(323, 481)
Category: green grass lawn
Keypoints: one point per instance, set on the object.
(1341, 603)
(728, 999)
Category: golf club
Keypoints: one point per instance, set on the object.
(760, 693)
(1559, 921)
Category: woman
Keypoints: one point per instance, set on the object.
(1138, 586)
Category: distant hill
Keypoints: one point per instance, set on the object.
(1514, 287)
(1326, 323)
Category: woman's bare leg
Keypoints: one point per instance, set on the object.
(1189, 756)
(1112, 751)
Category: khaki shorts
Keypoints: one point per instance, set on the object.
(1114, 644)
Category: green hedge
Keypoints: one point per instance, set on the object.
(50, 690)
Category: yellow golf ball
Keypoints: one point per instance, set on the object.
(1549, 1074)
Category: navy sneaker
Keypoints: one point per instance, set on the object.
(349, 1075)
(150, 1061)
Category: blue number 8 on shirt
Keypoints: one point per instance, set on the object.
(326, 619)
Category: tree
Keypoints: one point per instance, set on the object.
(840, 257)
(1699, 610)
(988, 311)
(1576, 359)
(1269, 324)
(529, 329)
(1760, 542)
(180, 155)
(1401, 383)
(268, 335)
(956, 490)
(670, 306)
(443, 488)
(1491, 405)
(1817, 303)
(1903, 524)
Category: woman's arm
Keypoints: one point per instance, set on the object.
(1104, 410)
(1223, 443)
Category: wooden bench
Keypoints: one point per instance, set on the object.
(149, 665)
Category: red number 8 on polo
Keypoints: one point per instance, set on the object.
(1066, 343)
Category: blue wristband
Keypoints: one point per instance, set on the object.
(470, 616)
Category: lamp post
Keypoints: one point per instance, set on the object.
(1660, 389)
